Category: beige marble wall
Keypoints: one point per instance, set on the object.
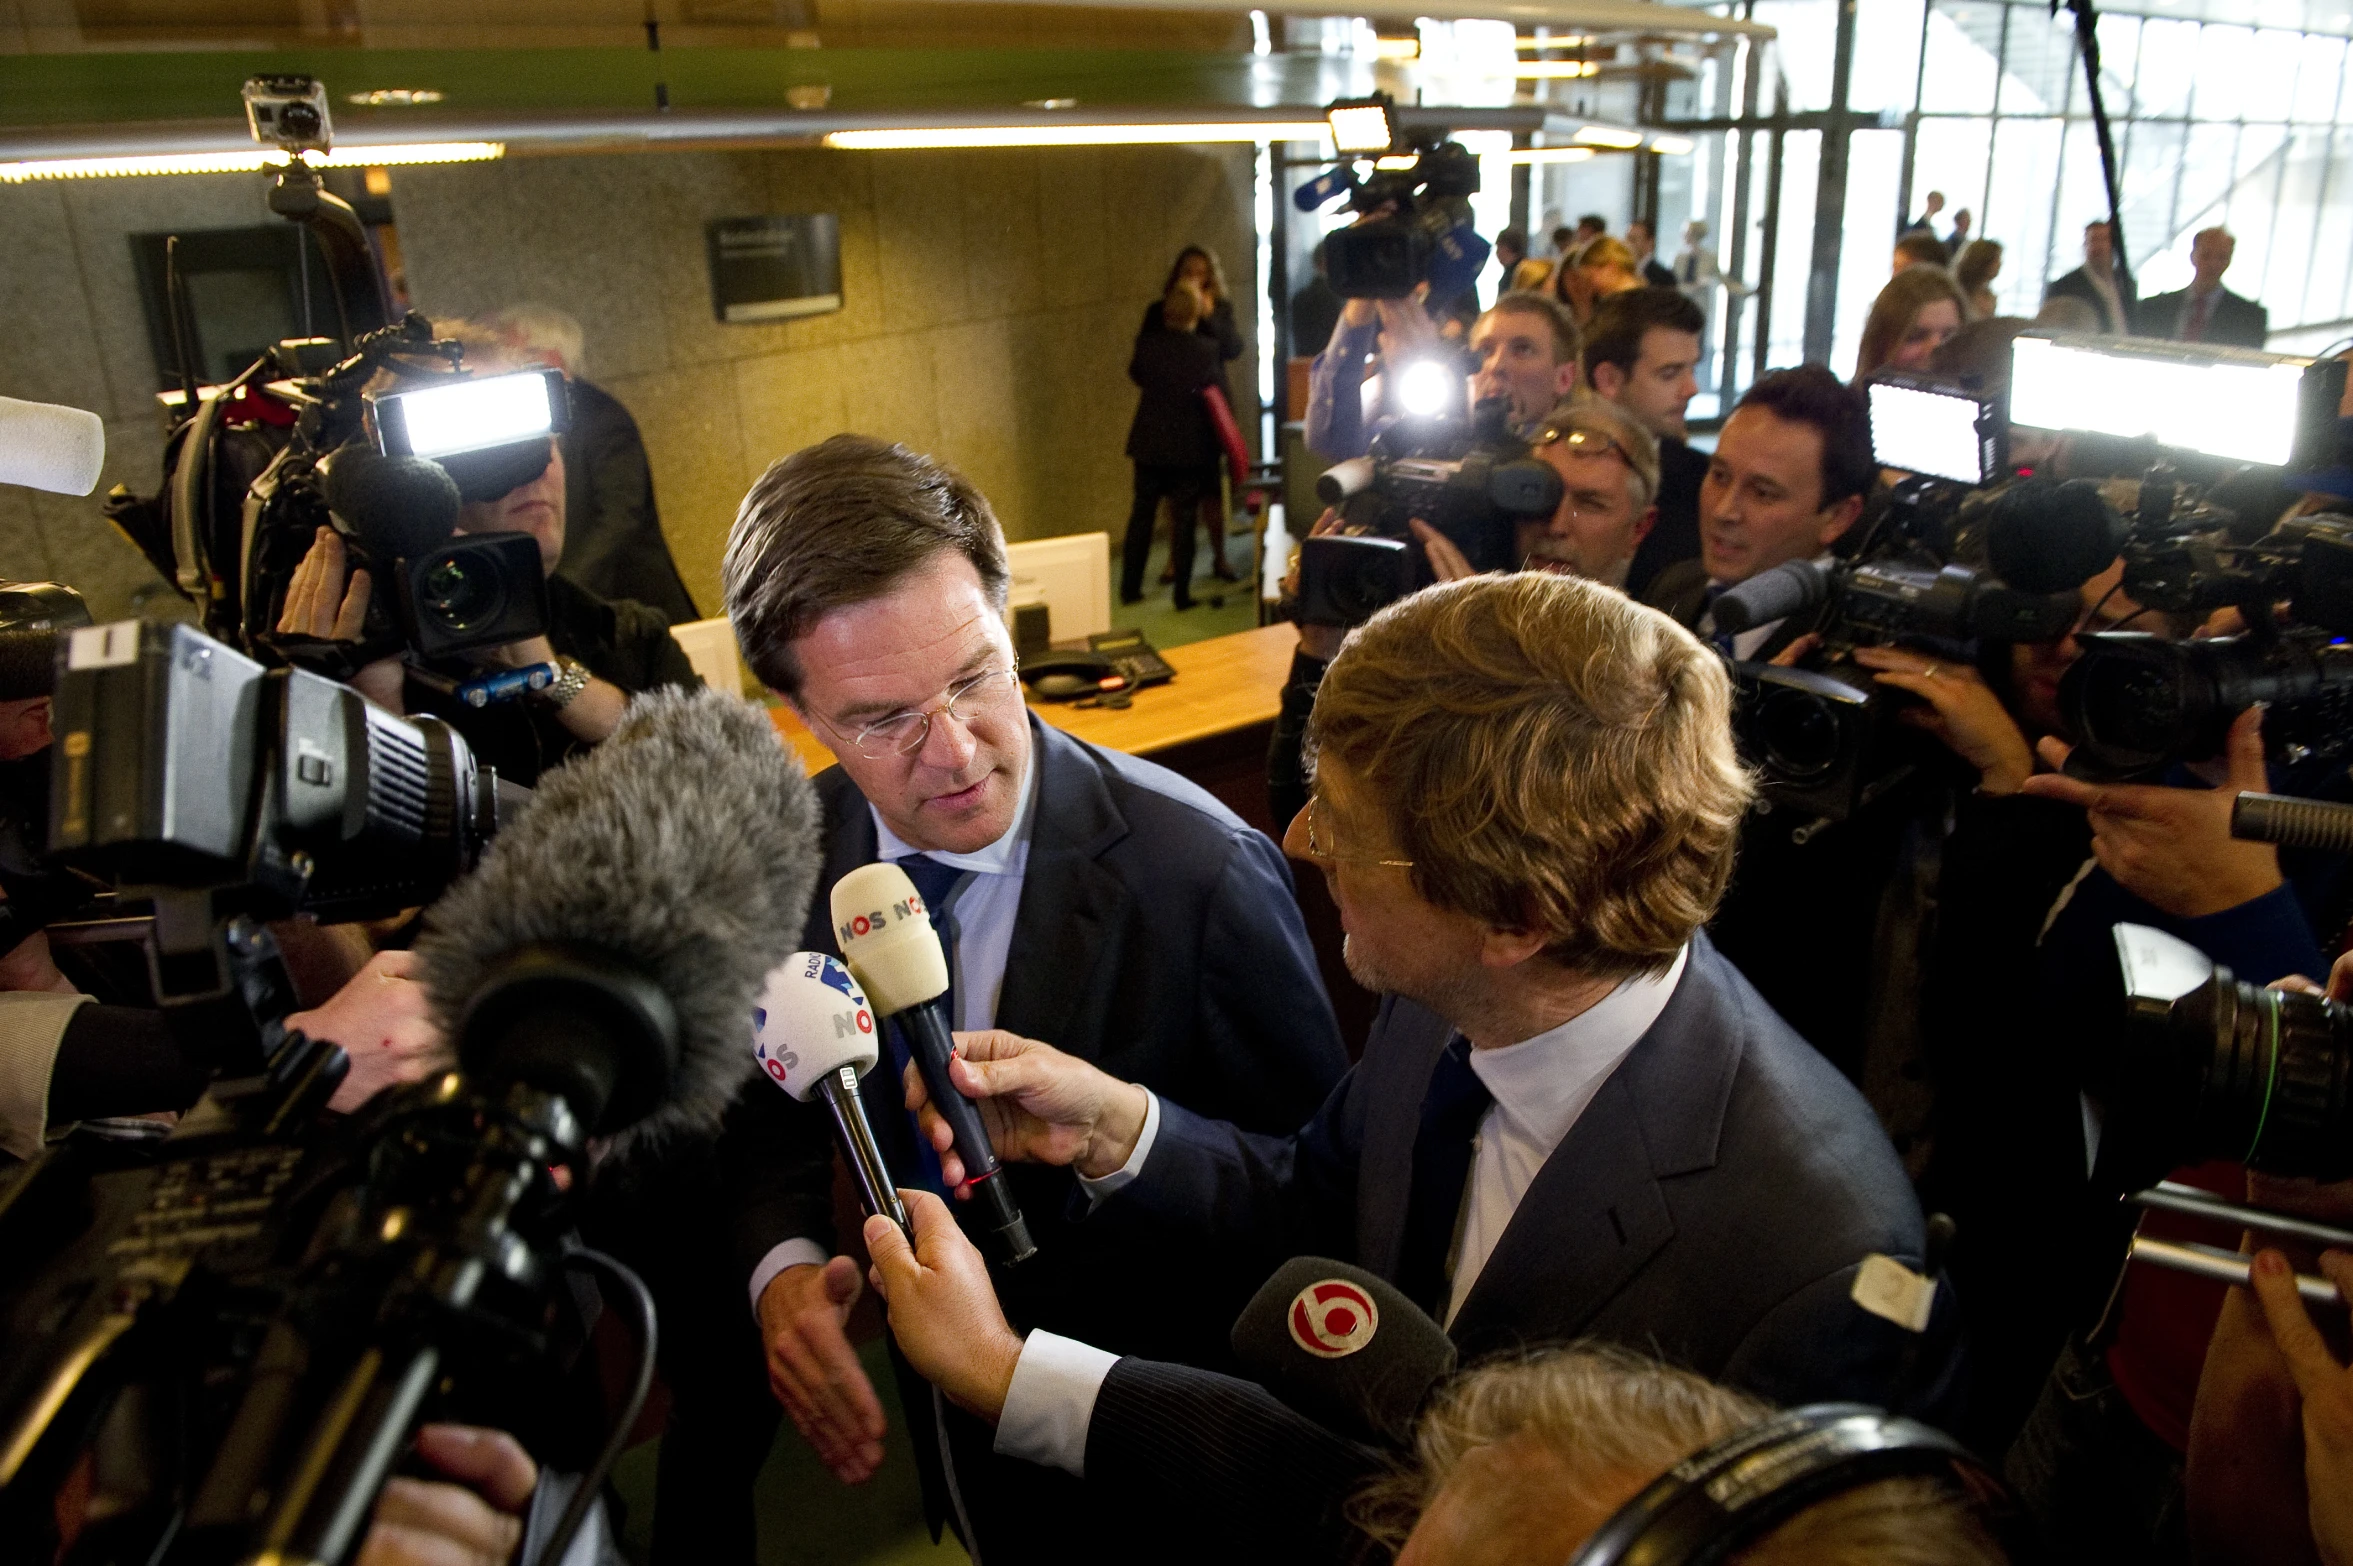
(990, 300)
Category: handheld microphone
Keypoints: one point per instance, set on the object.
(887, 939)
(1343, 1347)
(814, 1035)
(44, 446)
(663, 872)
(1793, 587)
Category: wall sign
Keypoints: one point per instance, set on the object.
(774, 268)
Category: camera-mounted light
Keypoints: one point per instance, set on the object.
(468, 415)
(2234, 403)
(1920, 427)
(1362, 127)
(1427, 388)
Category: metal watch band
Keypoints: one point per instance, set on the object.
(570, 681)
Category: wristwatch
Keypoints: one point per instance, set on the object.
(571, 679)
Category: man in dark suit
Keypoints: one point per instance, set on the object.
(1573, 1118)
(1642, 353)
(1643, 240)
(2206, 312)
(1082, 894)
(2099, 282)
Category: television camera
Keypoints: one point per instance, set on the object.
(1417, 226)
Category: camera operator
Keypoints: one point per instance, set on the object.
(1528, 350)
(490, 1506)
(1525, 348)
(606, 650)
(1642, 353)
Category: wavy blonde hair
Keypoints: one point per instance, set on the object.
(1552, 756)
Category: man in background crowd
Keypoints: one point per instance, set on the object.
(1644, 242)
(2099, 282)
(2206, 312)
(1642, 353)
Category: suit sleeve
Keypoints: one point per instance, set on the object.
(1263, 1021)
(1212, 1463)
(1260, 1200)
(1818, 1345)
(1335, 394)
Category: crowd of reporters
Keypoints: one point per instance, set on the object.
(1664, 1081)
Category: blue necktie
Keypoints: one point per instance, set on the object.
(1451, 1111)
(933, 883)
(1719, 640)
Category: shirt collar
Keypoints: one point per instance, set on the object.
(1008, 855)
(1545, 1081)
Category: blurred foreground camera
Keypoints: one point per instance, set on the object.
(2209, 1066)
(2137, 702)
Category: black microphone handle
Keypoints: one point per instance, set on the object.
(925, 1029)
(855, 1135)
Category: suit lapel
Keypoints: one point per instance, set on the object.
(1595, 1213)
(1399, 1057)
(849, 842)
(1072, 906)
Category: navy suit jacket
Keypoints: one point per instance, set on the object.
(1711, 1206)
(2235, 321)
(2078, 285)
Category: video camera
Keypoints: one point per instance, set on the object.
(258, 466)
(1420, 189)
(1823, 737)
(1476, 483)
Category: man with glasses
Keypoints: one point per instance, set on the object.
(1609, 471)
(1573, 1119)
(1082, 896)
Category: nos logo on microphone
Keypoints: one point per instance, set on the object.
(1333, 1319)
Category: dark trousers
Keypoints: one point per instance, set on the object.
(2096, 1482)
(1183, 487)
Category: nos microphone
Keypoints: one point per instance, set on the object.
(1343, 1347)
(887, 939)
(814, 1036)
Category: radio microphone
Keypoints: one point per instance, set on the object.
(887, 939)
(814, 1036)
(1344, 1347)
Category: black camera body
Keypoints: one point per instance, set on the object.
(181, 763)
(1475, 484)
(1427, 236)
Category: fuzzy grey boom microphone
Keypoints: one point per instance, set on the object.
(677, 858)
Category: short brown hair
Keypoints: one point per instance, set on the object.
(1551, 755)
(1568, 343)
(842, 523)
(1622, 321)
(1923, 249)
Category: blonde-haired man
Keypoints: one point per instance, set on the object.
(1573, 1118)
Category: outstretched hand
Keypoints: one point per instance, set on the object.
(2326, 1390)
(1039, 1105)
(943, 1309)
(2171, 847)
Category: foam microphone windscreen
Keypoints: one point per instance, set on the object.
(1343, 1347)
(887, 938)
(2044, 536)
(399, 507)
(44, 446)
(1793, 587)
(684, 848)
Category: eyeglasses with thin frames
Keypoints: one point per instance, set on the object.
(903, 732)
(1320, 846)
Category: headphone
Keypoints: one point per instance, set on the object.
(1729, 1495)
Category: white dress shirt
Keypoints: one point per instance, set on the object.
(983, 908)
(1540, 1086)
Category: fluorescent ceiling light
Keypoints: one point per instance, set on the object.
(1565, 41)
(1552, 155)
(1528, 70)
(1406, 48)
(394, 97)
(1672, 146)
(257, 160)
(1075, 135)
(1608, 136)
(2243, 407)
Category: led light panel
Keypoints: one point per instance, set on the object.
(2240, 408)
(1922, 431)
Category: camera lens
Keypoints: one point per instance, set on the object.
(458, 594)
(2232, 1070)
(1800, 734)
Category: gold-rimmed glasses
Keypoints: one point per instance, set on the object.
(1321, 847)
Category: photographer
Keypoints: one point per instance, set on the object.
(605, 650)
(1348, 382)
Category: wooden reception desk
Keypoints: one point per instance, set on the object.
(1219, 706)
